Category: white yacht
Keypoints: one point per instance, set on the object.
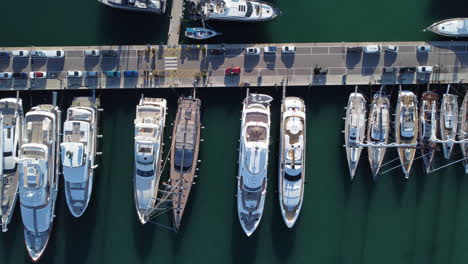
(148, 6)
(406, 129)
(234, 10)
(378, 130)
(11, 121)
(38, 176)
(355, 125)
(292, 158)
(453, 27)
(463, 131)
(78, 152)
(253, 160)
(448, 122)
(149, 135)
(428, 128)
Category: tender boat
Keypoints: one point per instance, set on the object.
(448, 122)
(38, 176)
(234, 10)
(428, 128)
(463, 133)
(147, 6)
(184, 154)
(355, 125)
(78, 152)
(378, 126)
(292, 158)
(11, 121)
(453, 27)
(200, 33)
(406, 129)
(253, 160)
(149, 135)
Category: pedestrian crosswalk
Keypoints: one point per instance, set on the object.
(170, 63)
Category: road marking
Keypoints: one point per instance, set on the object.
(170, 63)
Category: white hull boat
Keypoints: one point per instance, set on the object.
(145, 6)
(453, 27)
(463, 132)
(378, 130)
(234, 10)
(448, 122)
(355, 125)
(428, 128)
(200, 33)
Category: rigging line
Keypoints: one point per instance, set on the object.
(405, 163)
(446, 165)
(163, 226)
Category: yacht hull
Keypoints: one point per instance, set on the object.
(463, 133)
(355, 124)
(461, 32)
(448, 122)
(428, 128)
(134, 9)
(407, 102)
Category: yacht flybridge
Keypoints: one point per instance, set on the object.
(292, 158)
(148, 6)
(454, 27)
(355, 125)
(149, 130)
(406, 129)
(11, 123)
(378, 130)
(253, 160)
(234, 10)
(184, 154)
(38, 176)
(448, 122)
(463, 131)
(428, 128)
(78, 152)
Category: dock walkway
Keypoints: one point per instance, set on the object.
(177, 12)
(196, 65)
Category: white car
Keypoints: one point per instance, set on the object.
(370, 49)
(54, 53)
(37, 53)
(74, 74)
(38, 75)
(391, 48)
(252, 51)
(424, 48)
(5, 75)
(269, 49)
(20, 53)
(424, 69)
(288, 49)
(92, 52)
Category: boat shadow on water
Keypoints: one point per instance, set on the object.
(243, 248)
(9, 238)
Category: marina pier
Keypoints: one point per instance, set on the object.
(184, 66)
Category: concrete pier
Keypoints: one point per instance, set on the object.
(191, 65)
(177, 12)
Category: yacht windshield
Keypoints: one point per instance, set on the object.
(142, 173)
(249, 9)
(292, 178)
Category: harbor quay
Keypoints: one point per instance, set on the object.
(227, 65)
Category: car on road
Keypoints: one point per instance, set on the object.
(91, 74)
(424, 48)
(389, 69)
(354, 49)
(232, 71)
(269, 50)
(371, 49)
(37, 53)
(252, 51)
(391, 49)
(131, 74)
(91, 52)
(4, 54)
(109, 53)
(20, 53)
(5, 75)
(424, 69)
(74, 74)
(38, 75)
(112, 74)
(20, 75)
(220, 51)
(288, 49)
(54, 53)
(407, 69)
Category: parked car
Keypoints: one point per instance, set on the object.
(131, 74)
(389, 69)
(4, 54)
(5, 75)
(20, 53)
(109, 53)
(424, 69)
(112, 74)
(269, 49)
(54, 53)
(424, 48)
(91, 74)
(220, 51)
(232, 71)
(38, 75)
(20, 75)
(407, 69)
(288, 49)
(91, 52)
(74, 74)
(252, 51)
(354, 49)
(391, 48)
(371, 49)
(37, 53)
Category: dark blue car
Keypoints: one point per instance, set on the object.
(20, 75)
(4, 54)
(131, 74)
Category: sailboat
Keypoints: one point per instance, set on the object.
(355, 125)
(292, 158)
(406, 129)
(448, 122)
(428, 128)
(11, 122)
(200, 33)
(463, 132)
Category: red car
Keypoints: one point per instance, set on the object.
(232, 71)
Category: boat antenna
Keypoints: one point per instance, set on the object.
(54, 98)
(17, 103)
(194, 92)
(355, 89)
(448, 88)
(400, 87)
(248, 92)
(285, 83)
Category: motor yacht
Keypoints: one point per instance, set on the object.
(233, 10)
(453, 27)
(147, 6)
